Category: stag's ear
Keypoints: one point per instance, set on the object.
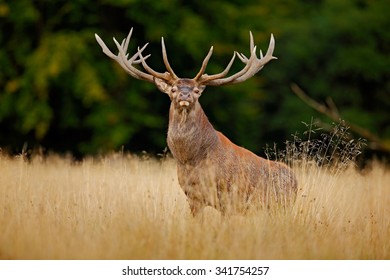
(162, 85)
(201, 89)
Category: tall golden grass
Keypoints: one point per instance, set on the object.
(124, 207)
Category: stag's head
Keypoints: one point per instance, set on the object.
(184, 92)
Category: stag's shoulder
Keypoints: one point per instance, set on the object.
(228, 146)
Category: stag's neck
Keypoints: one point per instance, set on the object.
(190, 134)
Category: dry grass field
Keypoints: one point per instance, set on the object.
(124, 207)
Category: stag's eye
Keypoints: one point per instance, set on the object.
(173, 89)
(196, 90)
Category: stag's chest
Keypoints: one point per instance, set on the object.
(190, 136)
(183, 141)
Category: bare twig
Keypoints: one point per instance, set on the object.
(331, 111)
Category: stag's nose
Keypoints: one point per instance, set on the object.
(185, 95)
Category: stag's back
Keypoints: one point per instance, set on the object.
(242, 168)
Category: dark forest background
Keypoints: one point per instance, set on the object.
(59, 92)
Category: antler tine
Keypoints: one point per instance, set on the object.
(121, 58)
(170, 75)
(205, 77)
(271, 47)
(229, 80)
(139, 53)
(204, 64)
(105, 50)
(165, 58)
(165, 76)
(258, 64)
(127, 64)
(251, 42)
(125, 46)
(242, 57)
(127, 40)
(252, 65)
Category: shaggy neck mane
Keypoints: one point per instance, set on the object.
(190, 134)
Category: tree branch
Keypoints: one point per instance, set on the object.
(331, 111)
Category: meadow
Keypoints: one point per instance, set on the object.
(121, 206)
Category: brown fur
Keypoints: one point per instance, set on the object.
(211, 169)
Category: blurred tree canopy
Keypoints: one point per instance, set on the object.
(59, 91)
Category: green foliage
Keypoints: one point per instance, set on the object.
(341, 49)
(59, 91)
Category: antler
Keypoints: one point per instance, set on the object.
(252, 66)
(127, 64)
(168, 76)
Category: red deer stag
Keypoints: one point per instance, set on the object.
(212, 171)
